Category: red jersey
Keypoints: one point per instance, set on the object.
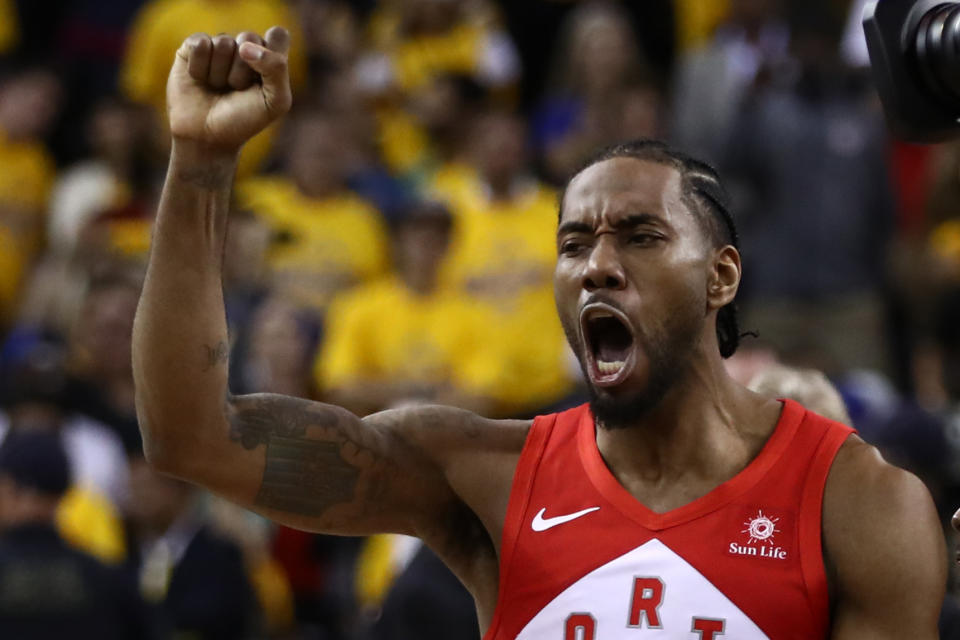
(582, 559)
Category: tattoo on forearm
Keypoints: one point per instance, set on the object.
(215, 355)
(313, 461)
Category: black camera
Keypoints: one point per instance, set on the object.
(914, 50)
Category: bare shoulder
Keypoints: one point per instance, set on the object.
(884, 547)
(865, 491)
(477, 456)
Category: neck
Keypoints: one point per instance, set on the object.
(420, 284)
(706, 426)
(318, 189)
(120, 163)
(501, 187)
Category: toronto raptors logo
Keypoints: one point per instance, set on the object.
(761, 528)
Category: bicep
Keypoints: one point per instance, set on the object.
(884, 539)
(318, 467)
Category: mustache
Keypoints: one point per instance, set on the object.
(603, 299)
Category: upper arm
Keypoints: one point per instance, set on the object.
(319, 467)
(885, 547)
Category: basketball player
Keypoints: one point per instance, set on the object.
(688, 507)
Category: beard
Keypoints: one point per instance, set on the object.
(669, 354)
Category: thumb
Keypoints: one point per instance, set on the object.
(271, 63)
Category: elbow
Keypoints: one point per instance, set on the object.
(181, 455)
(159, 454)
(164, 447)
(174, 436)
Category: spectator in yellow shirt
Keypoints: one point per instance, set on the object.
(162, 25)
(406, 339)
(428, 131)
(28, 103)
(506, 219)
(422, 51)
(503, 253)
(417, 40)
(325, 238)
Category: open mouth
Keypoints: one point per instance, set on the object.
(609, 343)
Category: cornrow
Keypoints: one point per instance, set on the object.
(704, 194)
(704, 181)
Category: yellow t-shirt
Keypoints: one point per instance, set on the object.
(504, 253)
(27, 175)
(416, 60)
(536, 369)
(404, 145)
(26, 178)
(162, 26)
(319, 247)
(385, 332)
(501, 249)
(12, 265)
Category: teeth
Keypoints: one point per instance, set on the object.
(610, 367)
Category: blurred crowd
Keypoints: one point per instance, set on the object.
(392, 241)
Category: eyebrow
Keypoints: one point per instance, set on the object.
(627, 222)
(574, 227)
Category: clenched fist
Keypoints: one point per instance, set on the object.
(223, 90)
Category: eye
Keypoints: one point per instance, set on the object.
(572, 247)
(644, 239)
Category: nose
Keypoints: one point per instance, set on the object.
(603, 269)
(955, 521)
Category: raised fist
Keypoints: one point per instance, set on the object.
(223, 90)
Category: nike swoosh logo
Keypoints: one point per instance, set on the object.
(542, 524)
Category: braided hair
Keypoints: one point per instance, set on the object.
(703, 193)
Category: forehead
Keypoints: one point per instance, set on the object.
(625, 186)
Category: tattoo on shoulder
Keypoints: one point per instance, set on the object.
(215, 355)
(312, 461)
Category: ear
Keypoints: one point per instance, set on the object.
(724, 278)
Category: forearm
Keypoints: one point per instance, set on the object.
(180, 335)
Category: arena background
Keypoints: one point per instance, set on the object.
(392, 242)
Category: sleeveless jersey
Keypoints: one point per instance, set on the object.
(582, 559)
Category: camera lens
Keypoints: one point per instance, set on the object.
(936, 51)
